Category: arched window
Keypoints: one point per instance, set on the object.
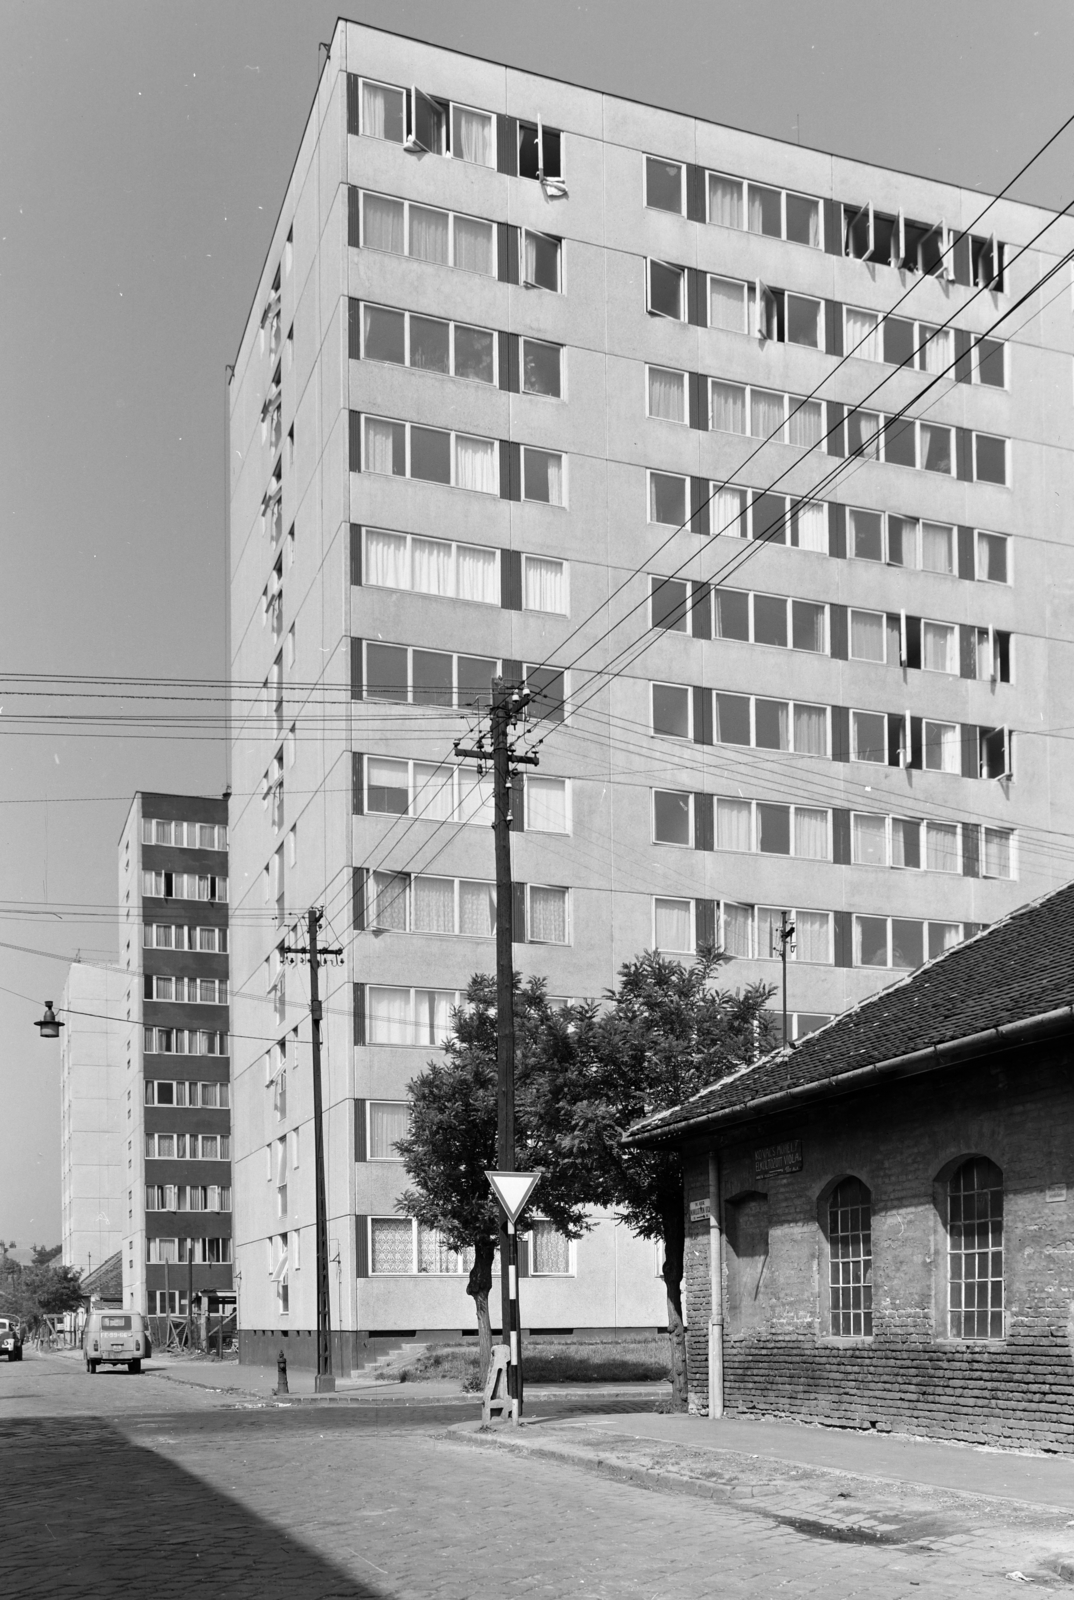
(850, 1260)
(975, 1250)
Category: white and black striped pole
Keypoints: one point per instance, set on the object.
(513, 1190)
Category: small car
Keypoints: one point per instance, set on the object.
(115, 1339)
(10, 1339)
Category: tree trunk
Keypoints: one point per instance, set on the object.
(674, 1246)
(478, 1285)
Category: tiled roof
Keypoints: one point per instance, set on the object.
(1018, 969)
(106, 1281)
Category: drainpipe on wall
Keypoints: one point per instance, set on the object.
(715, 1290)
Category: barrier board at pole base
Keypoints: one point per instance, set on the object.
(498, 1405)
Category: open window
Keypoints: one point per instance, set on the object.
(429, 124)
(539, 151)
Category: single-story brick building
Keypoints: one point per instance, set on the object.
(880, 1222)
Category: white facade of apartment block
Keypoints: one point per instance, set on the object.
(92, 1086)
(790, 582)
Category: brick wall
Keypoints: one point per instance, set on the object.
(902, 1141)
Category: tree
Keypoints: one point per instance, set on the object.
(666, 1034)
(43, 1254)
(451, 1142)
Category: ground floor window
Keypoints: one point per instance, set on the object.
(975, 1250)
(850, 1260)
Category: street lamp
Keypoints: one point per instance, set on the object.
(49, 1026)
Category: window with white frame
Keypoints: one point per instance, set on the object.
(899, 341)
(442, 567)
(543, 476)
(184, 1041)
(547, 914)
(420, 903)
(666, 291)
(667, 394)
(426, 677)
(993, 557)
(183, 886)
(400, 1246)
(673, 817)
(769, 828)
(432, 455)
(551, 1252)
(542, 263)
(667, 498)
(184, 1092)
(544, 585)
(172, 936)
(673, 925)
(542, 368)
(404, 1016)
(188, 1147)
(765, 414)
(427, 233)
(943, 747)
(547, 804)
(426, 789)
(732, 304)
(187, 835)
(387, 1121)
(189, 991)
(430, 343)
(383, 111)
(902, 942)
(759, 208)
(664, 185)
(188, 1197)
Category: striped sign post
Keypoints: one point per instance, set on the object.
(512, 1190)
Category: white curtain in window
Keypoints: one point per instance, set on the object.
(389, 1016)
(905, 842)
(813, 936)
(810, 730)
(941, 847)
(725, 201)
(544, 585)
(433, 1253)
(382, 224)
(432, 1015)
(477, 574)
(938, 647)
(667, 394)
(729, 513)
(867, 635)
(382, 112)
(434, 791)
(943, 936)
(546, 805)
(769, 921)
(674, 925)
(477, 909)
(937, 547)
(433, 566)
(811, 834)
(475, 799)
(997, 853)
(433, 905)
(805, 425)
(755, 216)
(428, 234)
(393, 1244)
(550, 1251)
(727, 305)
(728, 407)
(473, 245)
(863, 335)
(936, 355)
(547, 919)
(475, 464)
(550, 471)
(863, 434)
(380, 440)
(991, 557)
(766, 413)
(869, 838)
(473, 137)
(942, 747)
(389, 900)
(737, 929)
(734, 825)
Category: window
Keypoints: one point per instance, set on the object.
(411, 788)
(775, 212)
(546, 914)
(401, 227)
(383, 114)
(183, 886)
(850, 1259)
(426, 677)
(541, 256)
(539, 151)
(187, 835)
(942, 747)
(671, 711)
(667, 291)
(183, 1041)
(430, 566)
(667, 394)
(989, 364)
(191, 991)
(869, 842)
(663, 185)
(731, 304)
(434, 455)
(862, 334)
(399, 1245)
(997, 853)
(550, 1251)
(388, 1121)
(867, 635)
(473, 136)
(544, 585)
(542, 476)
(763, 414)
(547, 808)
(993, 558)
(672, 817)
(667, 499)
(166, 936)
(541, 368)
(410, 1016)
(430, 344)
(937, 547)
(673, 925)
(420, 903)
(870, 738)
(902, 942)
(975, 1250)
(939, 647)
(669, 602)
(989, 458)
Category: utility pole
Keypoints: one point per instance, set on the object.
(325, 1381)
(509, 701)
(785, 934)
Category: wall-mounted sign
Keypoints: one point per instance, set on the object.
(773, 1159)
(699, 1211)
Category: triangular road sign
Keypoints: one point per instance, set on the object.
(513, 1189)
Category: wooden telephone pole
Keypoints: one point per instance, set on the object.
(509, 701)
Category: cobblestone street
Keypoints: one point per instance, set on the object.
(129, 1487)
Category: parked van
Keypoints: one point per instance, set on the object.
(116, 1339)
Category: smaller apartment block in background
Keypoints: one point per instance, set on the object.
(92, 1088)
(173, 937)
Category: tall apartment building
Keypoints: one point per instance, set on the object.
(93, 1185)
(712, 441)
(173, 935)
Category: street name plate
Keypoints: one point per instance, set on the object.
(772, 1160)
(699, 1210)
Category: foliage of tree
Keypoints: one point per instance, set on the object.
(43, 1254)
(451, 1141)
(665, 1034)
(33, 1293)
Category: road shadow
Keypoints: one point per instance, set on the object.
(88, 1512)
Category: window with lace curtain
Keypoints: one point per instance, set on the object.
(546, 914)
(550, 1251)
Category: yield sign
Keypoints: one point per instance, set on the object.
(513, 1189)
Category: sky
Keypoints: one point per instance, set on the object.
(147, 147)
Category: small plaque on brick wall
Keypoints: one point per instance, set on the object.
(774, 1159)
(1056, 1191)
(699, 1210)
